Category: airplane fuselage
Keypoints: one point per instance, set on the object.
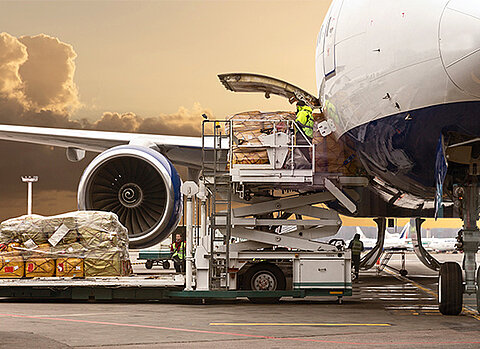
(394, 76)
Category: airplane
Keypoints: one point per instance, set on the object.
(442, 244)
(430, 244)
(392, 240)
(399, 85)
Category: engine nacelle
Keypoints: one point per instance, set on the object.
(140, 185)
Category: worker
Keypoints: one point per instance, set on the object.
(304, 121)
(357, 247)
(177, 250)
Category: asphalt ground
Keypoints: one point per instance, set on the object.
(385, 310)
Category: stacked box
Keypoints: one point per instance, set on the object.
(334, 155)
(22, 229)
(69, 267)
(39, 262)
(69, 260)
(246, 129)
(331, 155)
(103, 263)
(39, 267)
(12, 267)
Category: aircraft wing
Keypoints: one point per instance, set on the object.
(179, 149)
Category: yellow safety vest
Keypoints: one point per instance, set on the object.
(305, 120)
(180, 252)
(357, 247)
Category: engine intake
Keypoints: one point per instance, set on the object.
(138, 184)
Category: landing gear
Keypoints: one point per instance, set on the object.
(450, 289)
(264, 277)
(371, 257)
(467, 201)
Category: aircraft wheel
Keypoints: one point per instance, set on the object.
(166, 265)
(264, 277)
(403, 272)
(450, 289)
(149, 264)
(478, 290)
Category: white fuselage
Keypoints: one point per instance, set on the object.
(376, 58)
(394, 79)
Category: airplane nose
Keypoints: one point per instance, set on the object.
(459, 42)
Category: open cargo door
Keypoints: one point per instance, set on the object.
(246, 82)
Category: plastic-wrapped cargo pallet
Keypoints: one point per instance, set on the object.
(77, 244)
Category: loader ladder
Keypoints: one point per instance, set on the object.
(216, 141)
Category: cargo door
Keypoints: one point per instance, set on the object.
(329, 64)
(246, 82)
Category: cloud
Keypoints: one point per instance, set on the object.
(12, 55)
(183, 122)
(37, 73)
(37, 89)
(48, 74)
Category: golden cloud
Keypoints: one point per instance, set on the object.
(37, 89)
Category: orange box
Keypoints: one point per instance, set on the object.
(12, 267)
(69, 267)
(39, 267)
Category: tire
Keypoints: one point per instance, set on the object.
(149, 264)
(450, 289)
(478, 290)
(264, 276)
(166, 265)
(403, 272)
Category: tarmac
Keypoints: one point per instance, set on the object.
(385, 310)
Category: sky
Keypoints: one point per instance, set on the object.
(137, 66)
(152, 57)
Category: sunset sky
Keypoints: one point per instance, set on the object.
(143, 66)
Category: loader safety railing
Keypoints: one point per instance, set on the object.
(263, 150)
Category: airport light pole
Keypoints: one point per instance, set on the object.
(29, 180)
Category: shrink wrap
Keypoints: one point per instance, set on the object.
(76, 244)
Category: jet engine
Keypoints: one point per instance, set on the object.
(140, 185)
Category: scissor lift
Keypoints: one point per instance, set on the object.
(257, 234)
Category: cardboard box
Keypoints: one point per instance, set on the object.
(12, 267)
(39, 267)
(105, 263)
(69, 267)
(97, 239)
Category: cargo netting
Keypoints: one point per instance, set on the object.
(76, 244)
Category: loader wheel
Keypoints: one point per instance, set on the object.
(264, 277)
(403, 272)
(450, 289)
(149, 264)
(166, 265)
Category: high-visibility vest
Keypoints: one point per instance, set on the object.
(357, 247)
(305, 120)
(180, 252)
